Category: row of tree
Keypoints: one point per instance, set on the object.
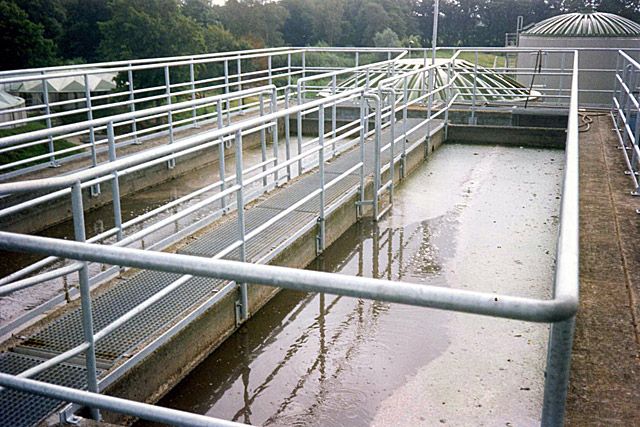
(37, 33)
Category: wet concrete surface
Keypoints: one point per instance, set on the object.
(481, 218)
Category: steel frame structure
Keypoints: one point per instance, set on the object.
(626, 114)
(558, 311)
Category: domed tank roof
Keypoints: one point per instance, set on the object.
(585, 24)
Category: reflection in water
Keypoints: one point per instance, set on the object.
(323, 359)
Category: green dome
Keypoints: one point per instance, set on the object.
(589, 24)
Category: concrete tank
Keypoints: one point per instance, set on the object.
(604, 32)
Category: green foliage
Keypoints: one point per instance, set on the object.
(386, 38)
(259, 22)
(82, 35)
(22, 42)
(28, 152)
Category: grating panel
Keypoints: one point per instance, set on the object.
(23, 409)
(214, 242)
(66, 331)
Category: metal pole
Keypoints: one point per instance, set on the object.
(269, 68)
(434, 37)
(263, 143)
(47, 109)
(167, 79)
(288, 69)
(221, 166)
(333, 116)
(115, 183)
(472, 119)
(376, 181)
(321, 218)
(132, 104)
(304, 69)
(405, 95)
(287, 131)
(226, 90)
(363, 127)
(299, 130)
(274, 135)
(95, 189)
(557, 373)
(357, 65)
(192, 78)
(85, 295)
(239, 70)
(242, 304)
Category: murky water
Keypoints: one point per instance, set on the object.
(481, 218)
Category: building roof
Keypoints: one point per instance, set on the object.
(585, 24)
(9, 101)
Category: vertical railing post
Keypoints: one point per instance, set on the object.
(405, 114)
(320, 246)
(95, 189)
(363, 131)
(377, 165)
(192, 79)
(263, 143)
(226, 90)
(392, 131)
(473, 120)
(274, 136)
(557, 373)
(239, 70)
(132, 104)
(299, 127)
(47, 110)
(304, 70)
(85, 296)
(287, 132)
(242, 303)
(357, 61)
(115, 182)
(167, 80)
(334, 90)
(561, 82)
(288, 69)
(448, 95)
(269, 69)
(221, 165)
(431, 89)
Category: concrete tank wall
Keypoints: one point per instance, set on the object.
(589, 81)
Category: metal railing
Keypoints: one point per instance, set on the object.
(559, 311)
(626, 114)
(171, 82)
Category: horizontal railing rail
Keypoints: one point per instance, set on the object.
(625, 112)
(390, 98)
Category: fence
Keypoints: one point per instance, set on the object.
(626, 113)
(390, 98)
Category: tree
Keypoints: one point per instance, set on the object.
(147, 29)
(386, 38)
(22, 42)
(82, 35)
(298, 28)
(200, 11)
(254, 20)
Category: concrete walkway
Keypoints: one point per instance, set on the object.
(605, 371)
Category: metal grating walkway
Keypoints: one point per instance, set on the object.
(19, 409)
(65, 332)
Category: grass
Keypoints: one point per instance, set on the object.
(28, 152)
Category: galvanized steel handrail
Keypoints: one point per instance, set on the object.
(625, 112)
(560, 310)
